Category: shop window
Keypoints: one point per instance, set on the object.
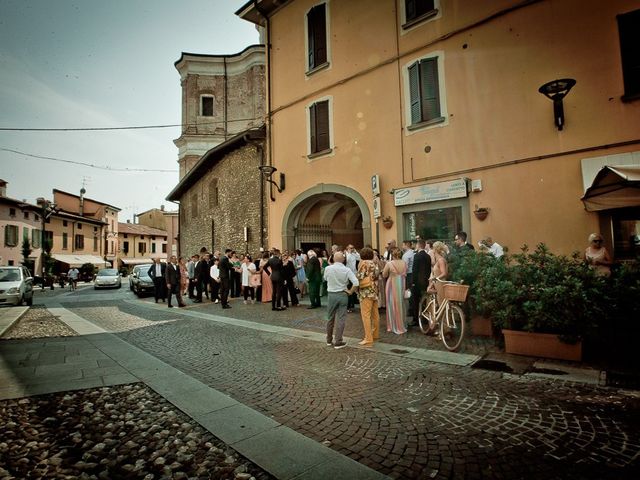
(424, 93)
(438, 224)
(317, 37)
(629, 31)
(319, 128)
(11, 236)
(626, 233)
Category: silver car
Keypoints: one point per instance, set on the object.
(107, 278)
(16, 286)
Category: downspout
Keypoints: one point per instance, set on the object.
(224, 59)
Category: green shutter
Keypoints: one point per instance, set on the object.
(430, 92)
(310, 38)
(414, 93)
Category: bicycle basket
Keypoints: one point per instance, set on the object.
(456, 292)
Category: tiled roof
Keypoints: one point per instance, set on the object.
(137, 229)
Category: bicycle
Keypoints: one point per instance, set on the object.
(448, 315)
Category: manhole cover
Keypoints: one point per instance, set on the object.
(492, 365)
(397, 350)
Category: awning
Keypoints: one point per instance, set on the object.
(79, 260)
(614, 187)
(135, 261)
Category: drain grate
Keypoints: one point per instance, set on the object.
(493, 365)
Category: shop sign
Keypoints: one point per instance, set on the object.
(431, 192)
(376, 207)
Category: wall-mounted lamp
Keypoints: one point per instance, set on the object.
(556, 91)
(268, 171)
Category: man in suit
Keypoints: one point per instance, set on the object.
(200, 277)
(314, 276)
(461, 241)
(277, 279)
(156, 273)
(172, 277)
(225, 268)
(421, 274)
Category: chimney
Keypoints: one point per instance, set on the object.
(128, 221)
(82, 192)
(162, 208)
(3, 188)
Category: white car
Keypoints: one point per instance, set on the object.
(107, 278)
(16, 286)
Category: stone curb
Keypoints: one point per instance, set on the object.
(9, 316)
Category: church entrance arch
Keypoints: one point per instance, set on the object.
(324, 215)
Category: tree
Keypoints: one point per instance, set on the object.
(26, 251)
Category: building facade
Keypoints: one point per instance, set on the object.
(431, 113)
(163, 220)
(141, 244)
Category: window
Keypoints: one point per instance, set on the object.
(194, 205)
(65, 241)
(629, 31)
(79, 226)
(95, 229)
(11, 236)
(64, 223)
(110, 247)
(153, 238)
(37, 217)
(95, 244)
(213, 193)
(319, 127)
(164, 248)
(626, 232)
(317, 36)
(125, 236)
(26, 215)
(125, 247)
(153, 247)
(206, 106)
(48, 240)
(79, 244)
(424, 92)
(417, 10)
(25, 234)
(12, 212)
(438, 224)
(142, 247)
(36, 238)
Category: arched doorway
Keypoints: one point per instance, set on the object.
(324, 215)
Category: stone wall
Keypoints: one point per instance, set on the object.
(237, 206)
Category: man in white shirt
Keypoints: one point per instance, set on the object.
(338, 276)
(73, 277)
(488, 245)
(407, 256)
(353, 257)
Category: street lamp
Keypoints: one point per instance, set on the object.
(556, 91)
(48, 209)
(268, 171)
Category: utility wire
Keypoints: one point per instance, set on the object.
(101, 167)
(134, 127)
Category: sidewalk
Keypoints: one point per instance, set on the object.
(97, 358)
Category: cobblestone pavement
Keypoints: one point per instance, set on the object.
(405, 418)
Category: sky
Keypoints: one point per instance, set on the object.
(97, 63)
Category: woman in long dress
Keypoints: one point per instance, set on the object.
(395, 271)
(267, 287)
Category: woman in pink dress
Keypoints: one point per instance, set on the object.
(267, 287)
(395, 272)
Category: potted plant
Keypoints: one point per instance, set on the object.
(481, 213)
(387, 222)
(544, 304)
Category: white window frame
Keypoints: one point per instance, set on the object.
(331, 152)
(327, 64)
(444, 112)
(200, 109)
(418, 23)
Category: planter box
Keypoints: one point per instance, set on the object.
(540, 345)
(481, 326)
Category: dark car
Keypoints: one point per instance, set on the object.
(140, 282)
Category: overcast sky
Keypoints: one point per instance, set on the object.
(98, 63)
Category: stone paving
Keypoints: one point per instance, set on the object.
(402, 417)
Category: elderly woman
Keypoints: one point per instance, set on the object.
(597, 256)
(367, 275)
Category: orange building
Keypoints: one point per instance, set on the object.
(428, 111)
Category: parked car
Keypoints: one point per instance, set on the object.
(107, 278)
(140, 282)
(16, 286)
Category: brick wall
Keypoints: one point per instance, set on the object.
(238, 205)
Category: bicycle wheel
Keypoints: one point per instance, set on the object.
(452, 328)
(426, 313)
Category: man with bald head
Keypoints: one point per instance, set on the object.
(338, 276)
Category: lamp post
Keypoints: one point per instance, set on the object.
(48, 209)
(268, 171)
(556, 91)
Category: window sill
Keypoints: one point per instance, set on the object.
(428, 123)
(632, 97)
(321, 153)
(421, 18)
(317, 69)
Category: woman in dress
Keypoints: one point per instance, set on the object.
(439, 269)
(597, 256)
(184, 276)
(395, 271)
(267, 287)
(367, 275)
(301, 278)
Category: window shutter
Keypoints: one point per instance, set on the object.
(322, 125)
(629, 30)
(320, 31)
(429, 89)
(410, 9)
(414, 92)
(311, 37)
(312, 128)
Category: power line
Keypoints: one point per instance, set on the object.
(132, 127)
(101, 167)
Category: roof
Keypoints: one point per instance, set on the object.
(254, 10)
(137, 229)
(21, 203)
(213, 56)
(616, 186)
(86, 198)
(213, 156)
(76, 217)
